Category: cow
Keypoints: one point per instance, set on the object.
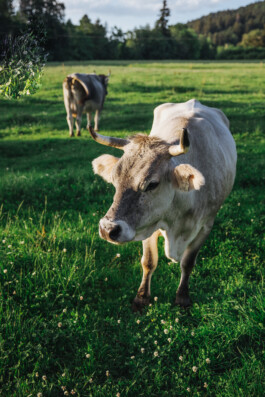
(84, 93)
(170, 183)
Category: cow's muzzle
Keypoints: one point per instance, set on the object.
(116, 232)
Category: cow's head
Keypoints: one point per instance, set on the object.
(146, 181)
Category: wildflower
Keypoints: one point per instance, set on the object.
(169, 340)
(132, 357)
(5, 271)
(106, 279)
(88, 355)
(64, 310)
(39, 395)
(194, 369)
(37, 374)
(165, 331)
(118, 395)
(238, 204)
(156, 353)
(181, 358)
(170, 327)
(188, 389)
(150, 304)
(64, 250)
(138, 321)
(63, 388)
(9, 246)
(66, 393)
(81, 298)
(119, 321)
(118, 255)
(176, 320)
(252, 220)
(192, 333)
(208, 360)
(33, 274)
(28, 92)
(72, 392)
(44, 377)
(142, 350)
(94, 214)
(205, 385)
(155, 342)
(59, 325)
(22, 242)
(63, 375)
(107, 373)
(163, 322)
(3, 241)
(14, 292)
(90, 380)
(155, 298)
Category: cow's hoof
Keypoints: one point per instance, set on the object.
(139, 304)
(183, 301)
(72, 135)
(79, 133)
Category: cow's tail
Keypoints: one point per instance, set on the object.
(70, 81)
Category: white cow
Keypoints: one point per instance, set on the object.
(84, 93)
(170, 183)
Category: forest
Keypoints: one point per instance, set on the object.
(231, 34)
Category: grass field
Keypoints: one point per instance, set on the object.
(65, 313)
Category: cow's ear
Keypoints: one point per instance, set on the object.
(186, 178)
(103, 166)
(106, 80)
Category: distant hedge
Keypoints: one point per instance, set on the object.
(240, 53)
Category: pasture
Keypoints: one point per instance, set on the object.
(66, 325)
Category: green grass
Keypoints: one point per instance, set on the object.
(51, 254)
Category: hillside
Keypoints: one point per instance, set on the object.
(229, 26)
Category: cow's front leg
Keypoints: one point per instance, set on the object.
(187, 263)
(88, 116)
(78, 123)
(149, 262)
(70, 122)
(96, 120)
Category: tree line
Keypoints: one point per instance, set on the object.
(229, 34)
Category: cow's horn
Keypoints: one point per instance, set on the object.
(109, 73)
(118, 143)
(183, 146)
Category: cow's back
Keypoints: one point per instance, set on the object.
(212, 147)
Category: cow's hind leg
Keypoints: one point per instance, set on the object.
(78, 123)
(187, 263)
(88, 116)
(149, 262)
(70, 122)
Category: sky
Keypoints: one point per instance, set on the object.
(128, 14)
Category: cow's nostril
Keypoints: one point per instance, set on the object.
(115, 232)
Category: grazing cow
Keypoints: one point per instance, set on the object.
(84, 93)
(170, 183)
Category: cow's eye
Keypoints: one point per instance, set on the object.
(151, 186)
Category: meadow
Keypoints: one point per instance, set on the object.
(66, 325)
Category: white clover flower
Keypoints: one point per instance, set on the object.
(163, 322)
(150, 304)
(194, 369)
(192, 333)
(238, 204)
(64, 250)
(9, 246)
(138, 321)
(5, 271)
(118, 395)
(170, 327)
(90, 380)
(142, 350)
(28, 92)
(155, 342)
(205, 385)
(166, 331)
(81, 298)
(66, 393)
(181, 358)
(72, 392)
(119, 321)
(14, 292)
(208, 360)
(188, 389)
(106, 279)
(155, 298)
(22, 242)
(169, 340)
(118, 255)
(39, 395)
(156, 353)
(64, 310)
(59, 325)
(87, 355)
(63, 375)
(44, 377)
(37, 374)
(176, 320)
(63, 388)
(132, 357)
(107, 373)
(3, 241)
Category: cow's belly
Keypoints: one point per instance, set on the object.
(91, 106)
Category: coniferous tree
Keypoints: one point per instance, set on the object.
(162, 22)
